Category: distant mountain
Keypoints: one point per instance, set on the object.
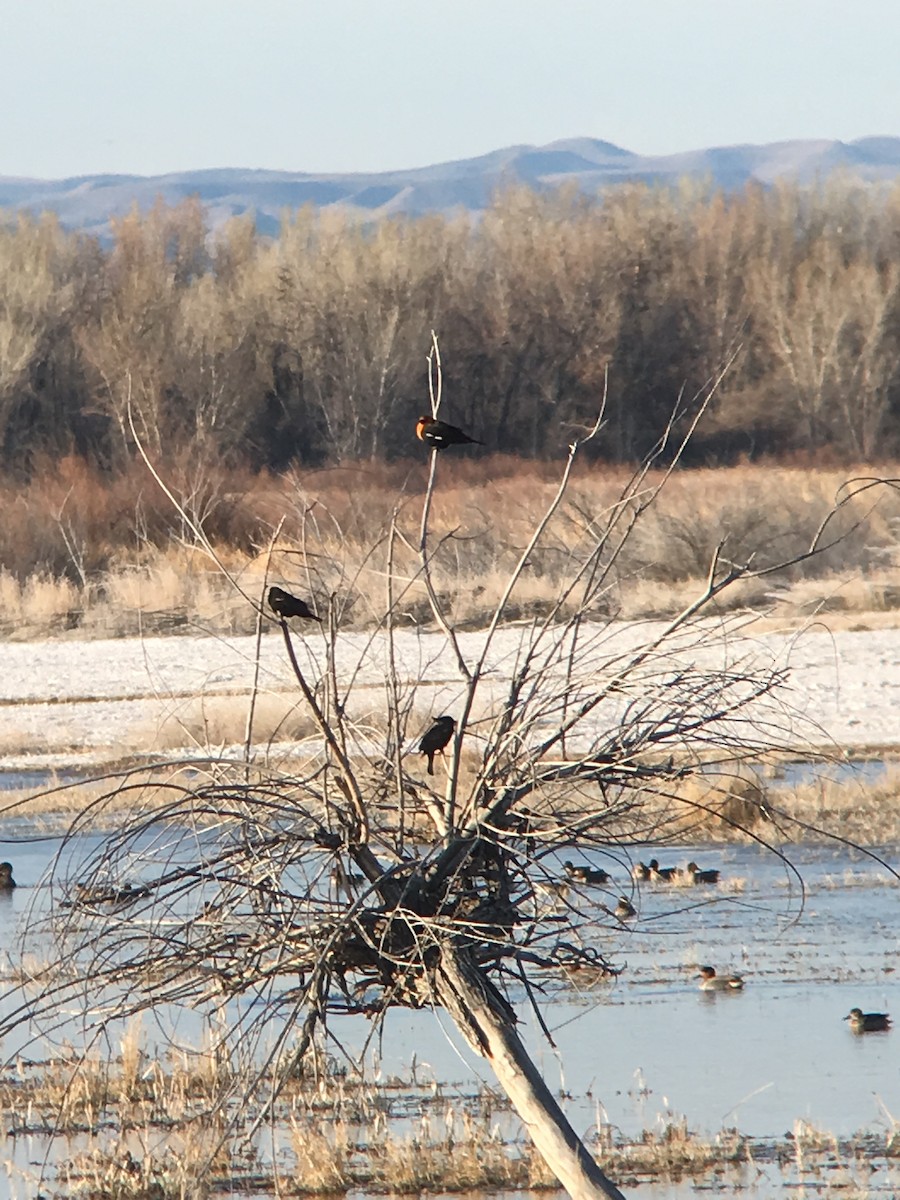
(88, 202)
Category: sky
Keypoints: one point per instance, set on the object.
(152, 86)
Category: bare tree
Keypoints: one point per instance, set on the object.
(825, 312)
(350, 881)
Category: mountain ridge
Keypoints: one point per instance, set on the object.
(89, 202)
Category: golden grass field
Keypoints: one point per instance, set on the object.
(90, 560)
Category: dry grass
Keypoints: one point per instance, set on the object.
(110, 795)
(672, 1152)
(741, 803)
(38, 603)
(217, 720)
(453, 1150)
(136, 1128)
(336, 1138)
(144, 1133)
(735, 805)
(102, 569)
(865, 813)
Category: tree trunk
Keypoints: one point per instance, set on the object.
(486, 1021)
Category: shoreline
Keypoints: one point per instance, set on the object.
(71, 703)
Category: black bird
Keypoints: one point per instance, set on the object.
(439, 434)
(286, 605)
(436, 738)
(7, 883)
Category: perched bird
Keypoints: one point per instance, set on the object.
(861, 1022)
(702, 876)
(7, 883)
(624, 910)
(662, 874)
(439, 434)
(711, 982)
(286, 605)
(582, 874)
(436, 738)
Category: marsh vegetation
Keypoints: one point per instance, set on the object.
(280, 898)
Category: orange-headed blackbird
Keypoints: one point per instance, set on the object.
(436, 739)
(439, 434)
(286, 605)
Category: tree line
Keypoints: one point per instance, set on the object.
(310, 347)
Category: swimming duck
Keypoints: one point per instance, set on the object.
(662, 874)
(702, 876)
(861, 1022)
(7, 883)
(89, 894)
(582, 874)
(552, 889)
(584, 968)
(711, 982)
(640, 872)
(625, 910)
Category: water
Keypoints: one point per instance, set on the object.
(650, 1041)
(37, 779)
(862, 771)
(648, 1047)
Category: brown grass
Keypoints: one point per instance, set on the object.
(742, 802)
(111, 559)
(138, 1132)
(735, 805)
(864, 813)
(209, 721)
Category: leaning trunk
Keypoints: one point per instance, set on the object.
(487, 1023)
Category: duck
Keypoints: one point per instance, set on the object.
(582, 874)
(7, 883)
(662, 874)
(552, 889)
(624, 910)
(711, 982)
(584, 968)
(699, 876)
(861, 1022)
(640, 872)
(90, 894)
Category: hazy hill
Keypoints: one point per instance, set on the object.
(87, 202)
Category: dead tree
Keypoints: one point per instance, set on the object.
(349, 881)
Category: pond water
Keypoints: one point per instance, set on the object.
(863, 771)
(649, 1043)
(36, 779)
